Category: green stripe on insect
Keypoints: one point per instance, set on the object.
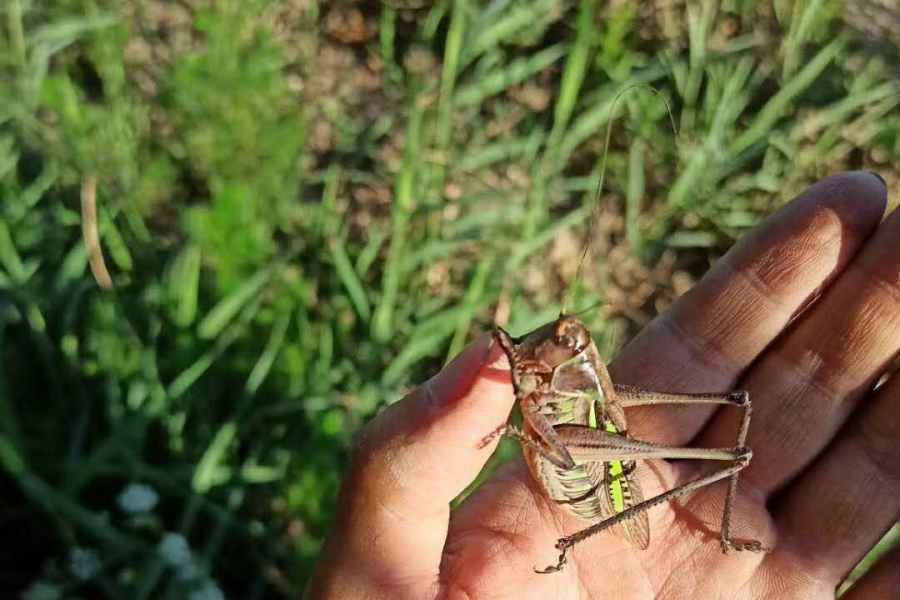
(616, 476)
(616, 479)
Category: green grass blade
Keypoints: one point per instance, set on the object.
(350, 279)
(634, 195)
(452, 50)
(531, 245)
(262, 367)
(9, 256)
(115, 243)
(775, 108)
(329, 221)
(61, 33)
(325, 357)
(591, 121)
(838, 112)
(42, 494)
(503, 150)
(255, 474)
(890, 540)
(189, 376)
(404, 203)
(812, 13)
(224, 312)
(205, 476)
(573, 74)
(428, 253)
(72, 268)
(699, 28)
(434, 18)
(471, 299)
(421, 346)
(507, 76)
(183, 285)
(386, 33)
(16, 32)
(183, 382)
(692, 239)
(370, 251)
(490, 33)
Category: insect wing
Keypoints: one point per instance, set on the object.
(624, 491)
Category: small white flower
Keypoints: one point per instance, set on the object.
(41, 590)
(174, 549)
(210, 591)
(83, 563)
(138, 498)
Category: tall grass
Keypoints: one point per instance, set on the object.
(285, 260)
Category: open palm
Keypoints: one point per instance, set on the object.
(823, 485)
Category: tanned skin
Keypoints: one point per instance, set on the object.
(803, 313)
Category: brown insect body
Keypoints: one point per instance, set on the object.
(575, 437)
(559, 367)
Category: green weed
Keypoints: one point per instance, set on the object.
(302, 222)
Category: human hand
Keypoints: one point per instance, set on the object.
(823, 485)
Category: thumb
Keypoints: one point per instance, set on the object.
(409, 463)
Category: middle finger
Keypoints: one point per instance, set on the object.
(719, 327)
(809, 382)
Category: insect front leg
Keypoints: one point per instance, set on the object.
(508, 345)
(548, 444)
(513, 433)
(557, 454)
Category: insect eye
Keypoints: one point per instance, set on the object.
(578, 339)
(572, 342)
(572, 335)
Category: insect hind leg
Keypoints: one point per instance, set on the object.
(565, 543)
(741, 399)
(631, 396)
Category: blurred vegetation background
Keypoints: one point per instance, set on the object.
(306, 208)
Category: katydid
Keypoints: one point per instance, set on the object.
(575, 438)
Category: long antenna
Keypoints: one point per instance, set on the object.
(596, 209)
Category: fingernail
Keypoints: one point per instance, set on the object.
(880, 178)
(456, 379)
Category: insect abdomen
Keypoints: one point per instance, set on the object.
(573, 489)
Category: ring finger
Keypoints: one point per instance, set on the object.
(833, 514)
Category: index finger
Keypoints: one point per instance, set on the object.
(721, 325)
(408, 464)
